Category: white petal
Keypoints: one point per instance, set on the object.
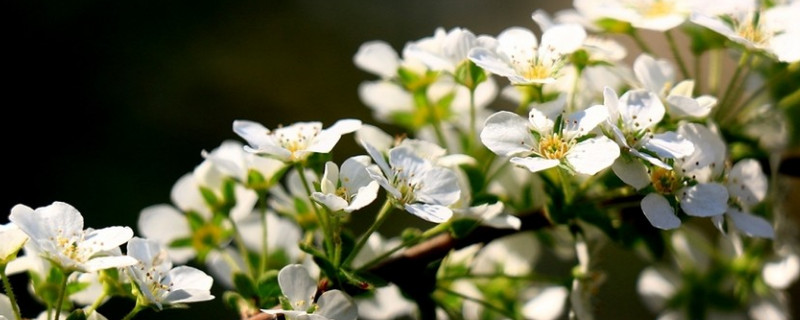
(686, 107)
(253, 132)
(385, 98)
(751, 225)
(611, 101)
(580, 123)
(297, 285)
(106, 239)
(364, 196)
(354, 173)
(786, 47)
(564, 38)
(704, 199)
(6, 308)
(46, 222)
(375, 137)
(164, 224)
(507, 134)
(185, 194)
(641, 109)
(439, 186)
(670, 145)
(547, 305)
(747, 182)
(101, 263)
(539, 121)
(377, 57)
(375, 174)
(377, 156)
(535, 164)
(12, 238)
(592, 155)
(335, 304)
(430, 212)
(631, 171)
(491, 62)
(327, 139)
(650, 73)
(331, 201)
(659, 212)
(780, 274)
(656, 288)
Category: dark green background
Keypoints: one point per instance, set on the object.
(108, 103)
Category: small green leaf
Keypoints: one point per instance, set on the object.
(78, 314)
(245, 285)
(234, 301)
(181, 243)
(268, 288)
(210, 197)
(614, 26)
(462, 227)
(195, 220)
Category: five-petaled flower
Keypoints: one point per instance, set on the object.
(293, 143)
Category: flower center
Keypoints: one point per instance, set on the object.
(206, 237)
(657, 9)
(553, 147)
(752, 33)
(665, 181)
(404, 183)
(536, 71)
(296, 137)
(68, 246)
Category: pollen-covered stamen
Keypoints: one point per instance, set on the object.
(296, 137)
(407, 184)
(553, 147)
(68, 245)
(665, 181)
(539, 66)
(655, 9)
(753, 33)
(207, 236)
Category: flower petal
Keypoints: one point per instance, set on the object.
(507, 134)
(659, 212)
(102, 263)
(592, 155)
(631, 171)
(377, 57)
(331, 201)
(164, 224)
(430, 212)
(781, 273)
(670, 145)
(548, 304)
(535, 164)
(297, 285)
(747, 182)
(704, 200)
(335, 304)
(750, 224)
(364, 196)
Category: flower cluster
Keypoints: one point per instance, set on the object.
(597, 151)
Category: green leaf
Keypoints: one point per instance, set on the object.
(614, 26)
(181, 243)
(210, 197)
(462, 227)
(245, 285)
(470, 75)
(78, 314)
(268, 288)
(234, 301)
(195, 220)
(355, 281)
(580, 59)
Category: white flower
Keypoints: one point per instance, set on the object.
(658, 15)
(447, 50)
(57, 230)
(512, 255)
(6, 308)
(293, 143)
(774, 30)
(521, 59)
(659, 76)
(540, 143)
(11, 241)
(415, 184)
(300, 290)
(231, 160)
(378, 57)
(348, 190)
(633, 118)
(747, 186)
(159, 282)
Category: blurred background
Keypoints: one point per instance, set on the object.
(110, 102)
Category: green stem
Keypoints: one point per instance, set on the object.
(484, 303)
(674, 48)
(472, 119)
(10, 292)
(574, 93)
(97, 303)
(424, 236)
(237, 237)
(323, 219)
(379, 219)
(640, 42)
(138, 307)
(337, 241)
(61, 293)
(262, 263)
(714, 71)
(732, 83)
(566, 185)
(697, 75)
